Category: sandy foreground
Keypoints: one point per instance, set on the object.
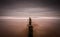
(19, 27)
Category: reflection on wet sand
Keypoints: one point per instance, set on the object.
(19, 28)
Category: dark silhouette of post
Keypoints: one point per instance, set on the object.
(30, 28)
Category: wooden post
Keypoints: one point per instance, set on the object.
(30, 28)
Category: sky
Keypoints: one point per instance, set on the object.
(29, 8)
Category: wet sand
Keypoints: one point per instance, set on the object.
(19, 28)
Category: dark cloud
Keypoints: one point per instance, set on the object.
(7, 7)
